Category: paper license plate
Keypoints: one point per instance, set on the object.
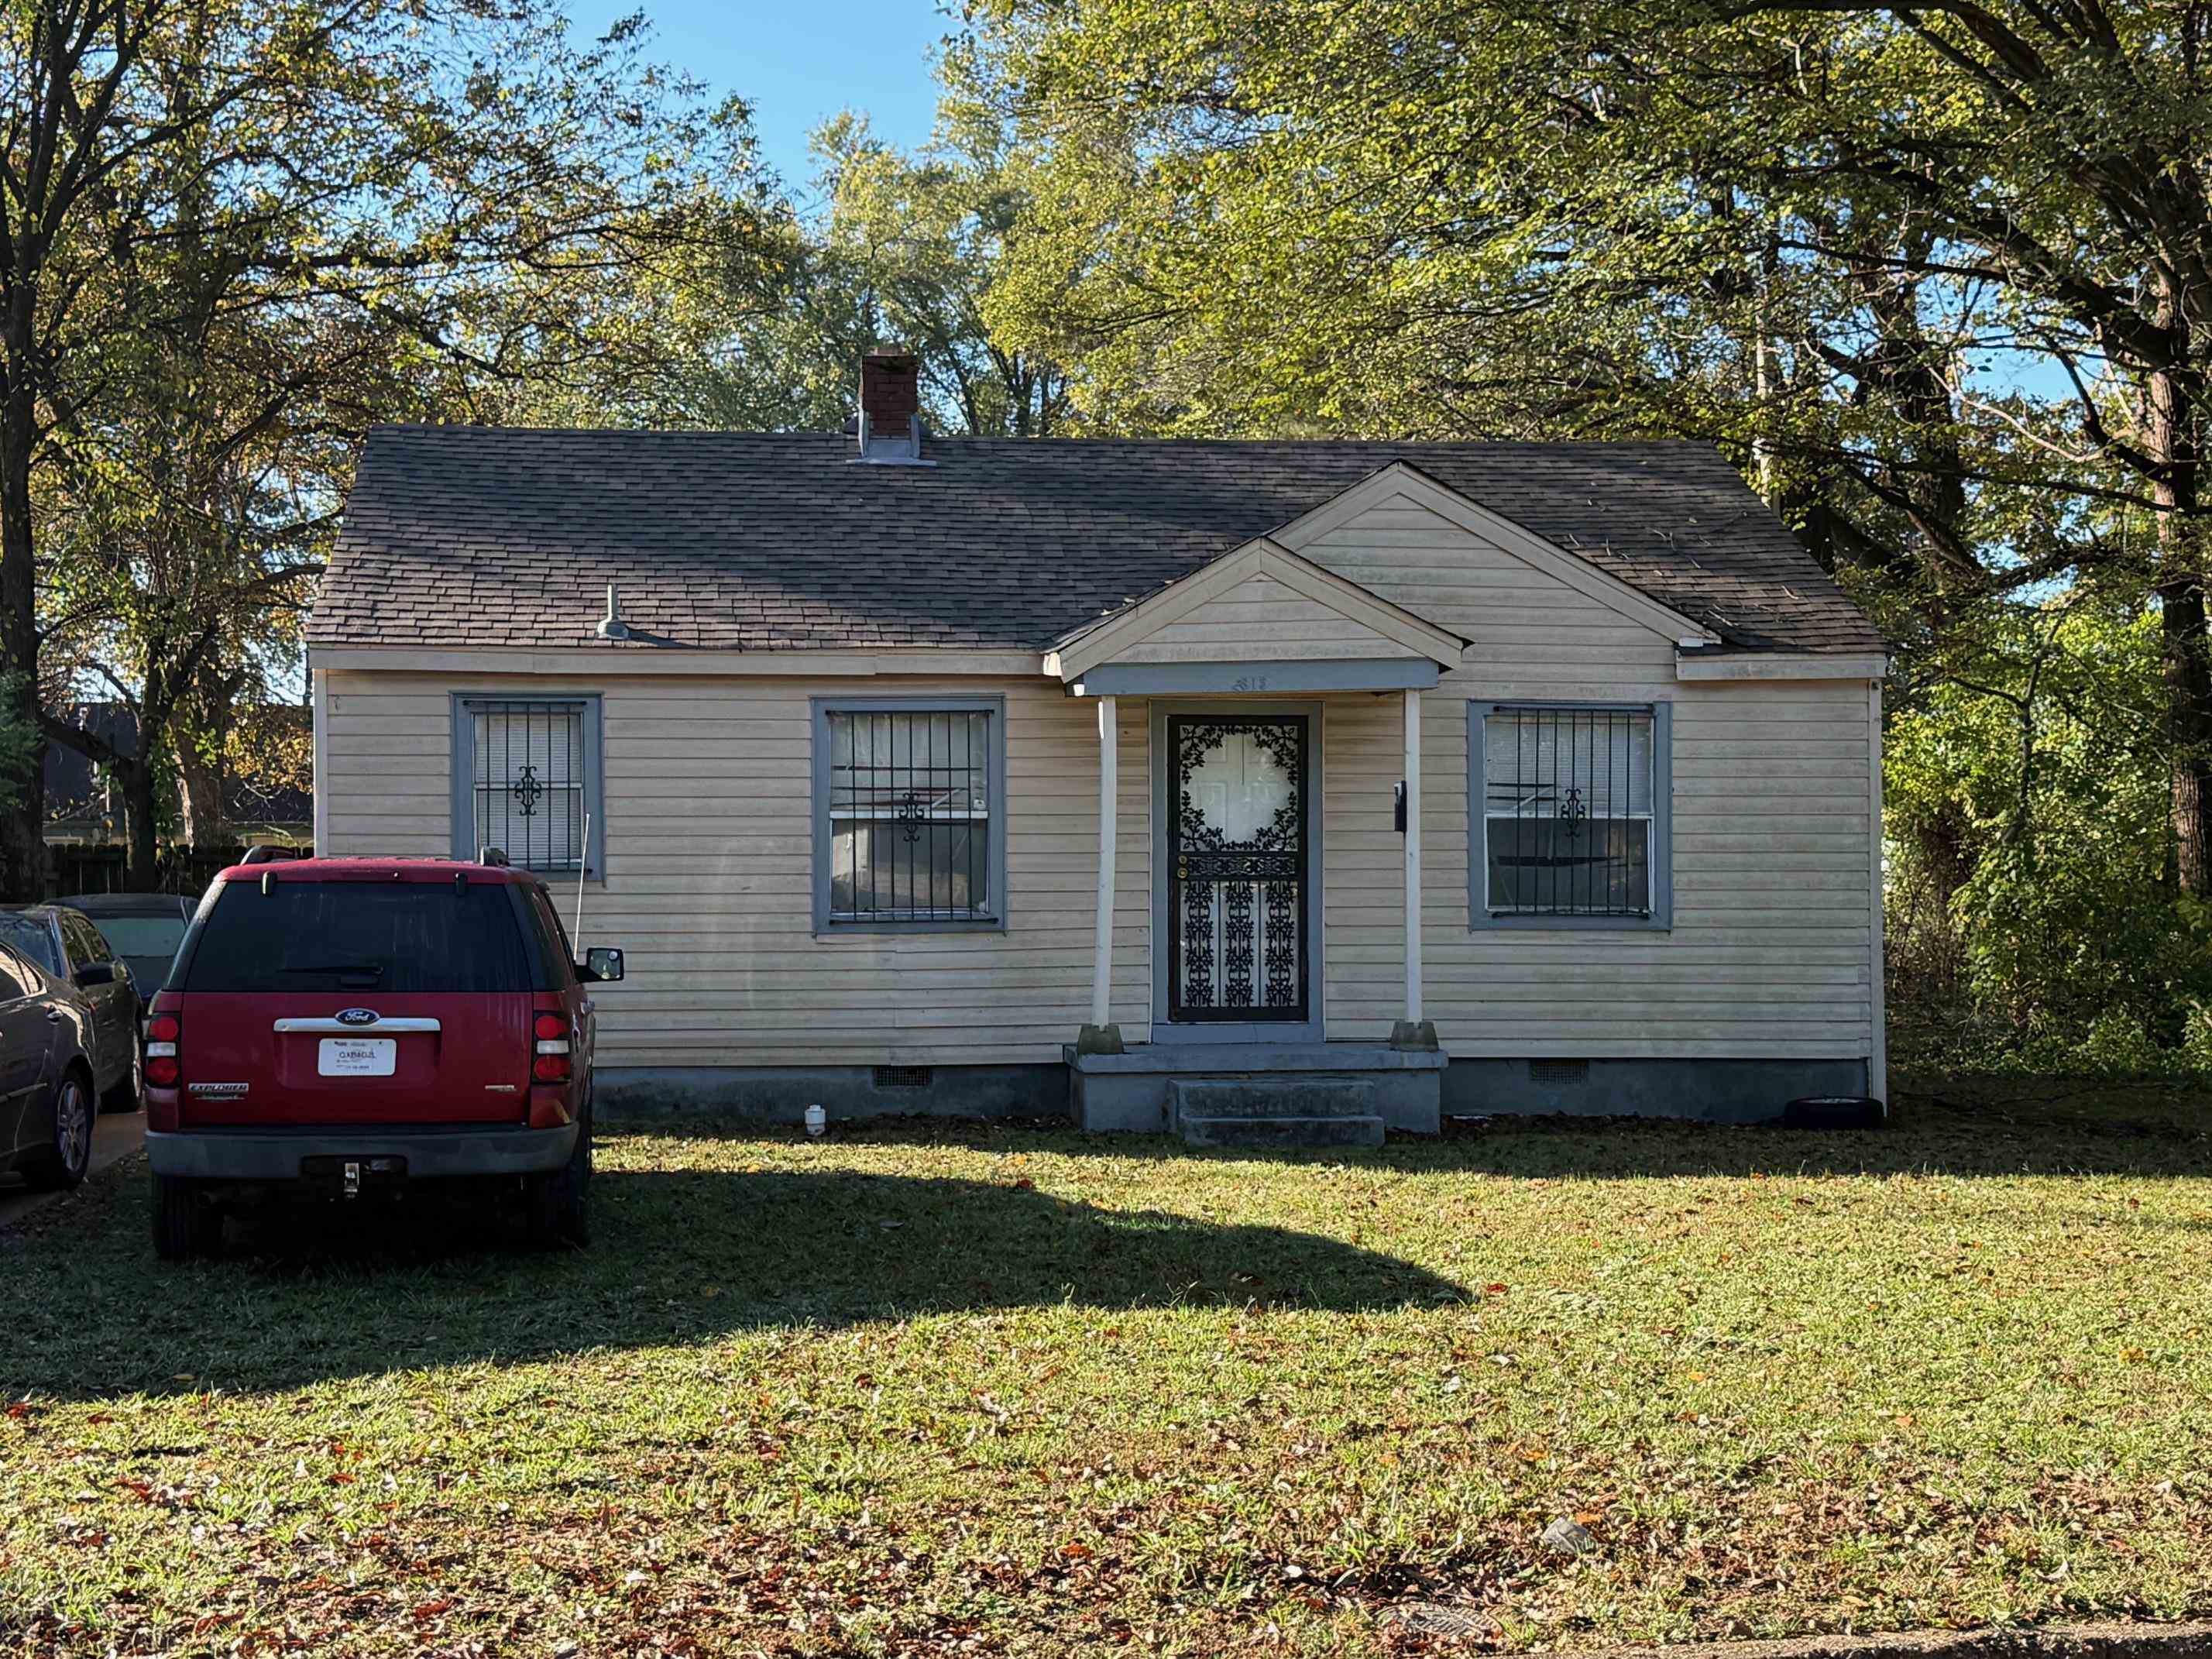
(358, 1056)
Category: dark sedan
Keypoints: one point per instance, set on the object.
(49, 1044)
(83, 970)
(144, 929)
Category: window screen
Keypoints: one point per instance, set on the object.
(909, 815)
(529, 781)
(1567, 815)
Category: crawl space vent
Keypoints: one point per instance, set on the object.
(1558, 1071)
(904, 1077)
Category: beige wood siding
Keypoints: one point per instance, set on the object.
(709, 840)
(1261, 620)
(1769, 954)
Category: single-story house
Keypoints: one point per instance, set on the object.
(963, 774)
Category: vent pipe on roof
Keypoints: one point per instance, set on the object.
(890, 410)
(611, 626)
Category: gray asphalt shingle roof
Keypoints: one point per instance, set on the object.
(494, 536)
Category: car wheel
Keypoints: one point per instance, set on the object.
(63, 1162)
(560, 1201)
(130, 1090)
(185, 1223)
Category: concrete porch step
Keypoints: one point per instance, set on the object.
(1132, 1091)
(1261, 1133)
(1270, 1096)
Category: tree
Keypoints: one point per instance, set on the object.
(905, 251)
(237, 234)
(1936, 275)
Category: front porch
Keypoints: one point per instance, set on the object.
(1237, 665)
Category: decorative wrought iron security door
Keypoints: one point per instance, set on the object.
(1236, 862)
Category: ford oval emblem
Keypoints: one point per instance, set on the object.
(357, 1016)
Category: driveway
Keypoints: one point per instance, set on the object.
(114, 1135)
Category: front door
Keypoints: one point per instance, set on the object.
(1237, 823)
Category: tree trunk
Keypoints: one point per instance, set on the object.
(142, 871)
(2170, 408)
(2183, 643)
(199, 783)
(22, 826)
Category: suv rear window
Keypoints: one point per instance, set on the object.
(357, 936)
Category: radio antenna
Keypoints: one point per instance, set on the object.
(582, 852)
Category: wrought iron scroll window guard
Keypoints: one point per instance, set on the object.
(1568, 811)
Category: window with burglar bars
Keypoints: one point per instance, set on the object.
(528, 780)
(1569, 827)
(909, 810)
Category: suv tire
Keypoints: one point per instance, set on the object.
(62, 1164)
(186, 1224)
(559, 1202)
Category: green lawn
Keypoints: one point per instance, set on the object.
(912, 1388)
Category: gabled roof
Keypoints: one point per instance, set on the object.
(1389, 628)
(476, 537)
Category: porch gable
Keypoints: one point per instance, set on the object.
(1260, 603)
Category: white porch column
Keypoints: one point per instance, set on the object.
(1877, 994)
(1412, 706)
(318, 686)
(1110, 791)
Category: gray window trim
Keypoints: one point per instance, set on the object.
(823, 707)
(463, 772)
(1662, 919)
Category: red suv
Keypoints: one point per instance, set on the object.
(352, 1025)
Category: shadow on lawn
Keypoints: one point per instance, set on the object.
(677, 1256)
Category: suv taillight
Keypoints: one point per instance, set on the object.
(163, 1033)
(550, 1063)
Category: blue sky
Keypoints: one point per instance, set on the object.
(797, 61)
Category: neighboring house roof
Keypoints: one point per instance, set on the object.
(463, 535)
(75, 790)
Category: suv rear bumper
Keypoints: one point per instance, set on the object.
(277, 1154)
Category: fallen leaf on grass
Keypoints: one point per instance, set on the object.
(427, 1610)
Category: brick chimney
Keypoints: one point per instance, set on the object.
(890, 408)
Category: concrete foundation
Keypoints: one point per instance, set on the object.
(781, 1094)
(1707, 1090)
(1411, 1090)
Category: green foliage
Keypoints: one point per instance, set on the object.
(287, 224)
(2032, 921)
(902, 250)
